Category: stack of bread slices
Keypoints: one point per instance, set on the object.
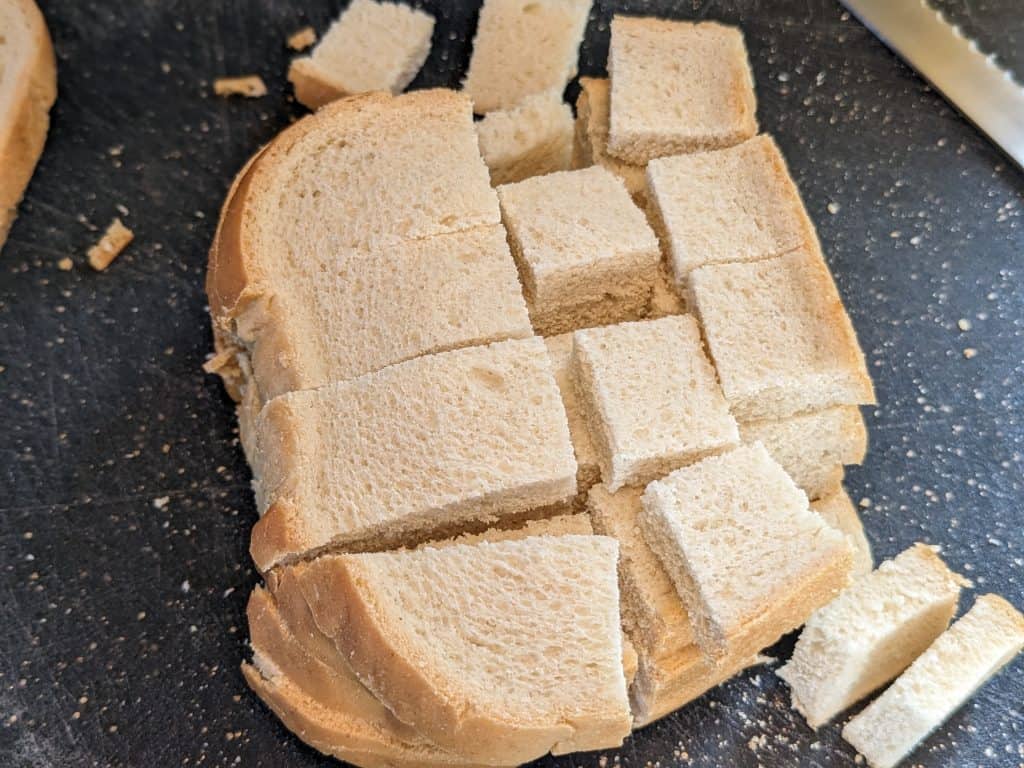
(535, 465)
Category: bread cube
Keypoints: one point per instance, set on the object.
(650, 397)
(677, 87)
(591, 138)
(837, 510)
(780, 337)
(529, 140)
(588, 472)
(586, 254)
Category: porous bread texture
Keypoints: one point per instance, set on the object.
(749, 559)
(650, 398)
(870, 633)
(591, 138)
(402, 455)
(942, 678)
(28, 88)
(531, 139)
(813, 447)
(500, 652)
(780, 337)
(585, 252)
(523, 47)
(577, 524)
(677, 87)
(665, 298)
(371, 47)
(734, 204)
(837, 510)
(588, 472)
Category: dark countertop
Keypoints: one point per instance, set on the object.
(124, 500)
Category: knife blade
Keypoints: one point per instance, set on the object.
(983, 92)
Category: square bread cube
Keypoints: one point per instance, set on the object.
(698, 518)
(677, 87)
(529, 140)
(650, 397)
(591, 140)
(588, 473)
(735, 204)
(780, 337)
(586, 254)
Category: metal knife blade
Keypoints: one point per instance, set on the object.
(987, 95)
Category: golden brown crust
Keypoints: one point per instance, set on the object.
(276, 532)
(312, 88)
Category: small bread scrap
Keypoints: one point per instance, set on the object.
(302, 39)
(250, 86)
(114, 240)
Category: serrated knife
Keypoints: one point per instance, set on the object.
(988, 96)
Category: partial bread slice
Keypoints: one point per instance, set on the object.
(588, 471)
(591, 139)
(650, 397)
(677, 87)
(529, 140)
(411, 451)
(870, 633)
(523, 47)
(813, 447)
(837, 510)
(371, 47)
(500, 652)
(28, 88)
(953, 668)
(749, 558)
(780, 336)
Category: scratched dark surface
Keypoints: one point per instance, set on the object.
(124, 501)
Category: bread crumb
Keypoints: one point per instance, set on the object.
(114, 240)
(865, 503)
(161, 502)
(65, 264)
(303, 39)
(970, 352)
(250, 86)
(833, 208)
(964, 324)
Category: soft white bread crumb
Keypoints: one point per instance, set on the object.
(837, 510)
(524, 47)
(250, 86)
(531, 139)
(586, 254)
(499, 652)
(401, 455)
(938, 683)
(589, 473)
(371, 47)
(870, 633)
(650, 397)
(749, 558)
(735, 204)
(115, 239)
(677, 87)
(780, 337)
(591, 138)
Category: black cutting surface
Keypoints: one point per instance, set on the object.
(124, 499)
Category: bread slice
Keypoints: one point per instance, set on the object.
(749, 558)
(500, 652)
(780, 337)
(591, 138)
(870, 633)
(588, 471)
(650, 397)
(953, 668)
(586, 254)
(531, 139)
(813, 447)
(523, 47)
(405, 454)
(371, 47)
(735, 204)
(28, 88)
(837, 510)
(677, 87)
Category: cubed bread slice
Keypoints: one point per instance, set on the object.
(531, 139)
(591, 138)
(410, 452)
(735, 204)
(28, 88)
(371, 47)
(523, 47)
(586, 254)
(677, 87)
(588, 473)
(500, 652)
(780, 337)
(813, 447)
(650, 398)
(837, 510)
(748, 557)
(938, 683)
(870, 633)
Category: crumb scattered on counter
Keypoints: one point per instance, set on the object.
(970, 352)
(65, 264)
(250, 86)
(114, 240)
(963, 324)
(302, 39)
